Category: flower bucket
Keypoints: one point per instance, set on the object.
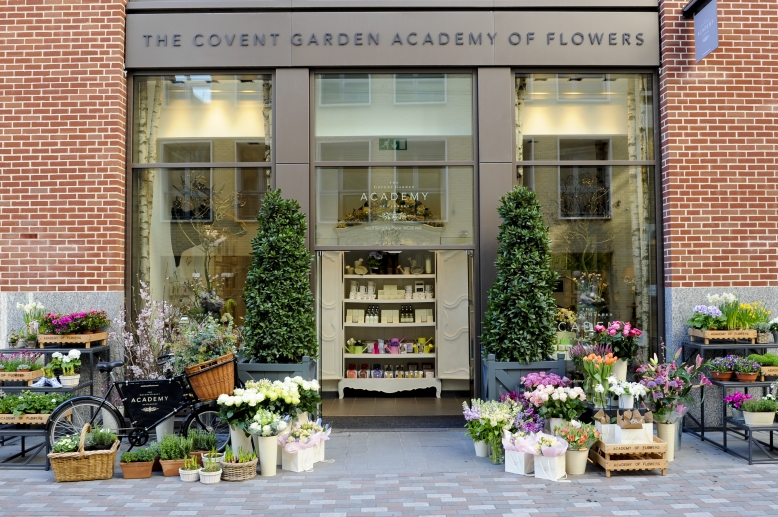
(666, 433)
(239, 440)
(481, 449)
(267, 450)
(620, 370)
(575, 461)
(626, 401)
(68, 381)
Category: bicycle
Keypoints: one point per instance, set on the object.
(147, 403)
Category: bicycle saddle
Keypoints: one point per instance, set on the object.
(107, 367)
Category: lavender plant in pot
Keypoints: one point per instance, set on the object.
(746, 370)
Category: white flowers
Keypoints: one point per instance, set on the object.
(287, 390)
(30, 307)
(619, 388)
(599, 388)
(720, 299)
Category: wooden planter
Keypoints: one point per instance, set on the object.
(630, 457)
(499, 377)
(769, 371)
(74, 339)
(277, 372)
(724, 335)
(25, 419)
(28, 376)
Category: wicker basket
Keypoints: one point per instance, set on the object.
(239, 471)
(84, 465)
(212, 378)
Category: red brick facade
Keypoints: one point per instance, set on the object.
(63, 109)
(719, 148)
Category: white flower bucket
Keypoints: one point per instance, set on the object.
(166, 427)
(575, 461)
(68, 381)
(239, 440)
(620, 370)
(267, 450)
(481, 450)
(626, 401)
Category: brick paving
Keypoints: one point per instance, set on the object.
(415, 474)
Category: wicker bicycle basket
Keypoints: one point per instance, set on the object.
(239, 471)
(212, 378)
(84, 465)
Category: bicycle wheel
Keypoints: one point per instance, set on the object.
(71, 415)
(208, 419)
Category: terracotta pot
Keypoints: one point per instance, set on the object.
(721, 376)
(137, 469)
(746, 377)
(170, 467)
(157, 465)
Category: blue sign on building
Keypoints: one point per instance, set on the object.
(706, 30)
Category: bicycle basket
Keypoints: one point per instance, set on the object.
(212, 378)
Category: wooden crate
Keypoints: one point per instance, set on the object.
(726, 335)
(74, 339)
(769, 371)
(24, 419)
(21, 376)
(630, 456)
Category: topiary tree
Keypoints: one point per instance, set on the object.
(280, 326)
(519, 321)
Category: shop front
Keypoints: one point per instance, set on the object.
(397, 131)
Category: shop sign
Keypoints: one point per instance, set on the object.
(476, 38)
(706, 31)
(393, 144)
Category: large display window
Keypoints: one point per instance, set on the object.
(585, 144)
(201, 165)
(394, 156)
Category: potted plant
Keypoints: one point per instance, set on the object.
(239, 465)
(266, 426)
(190, 470)
(746, 370)
(280, 325)
(69, 364)
(137, 464)
(722, 368)
(173, 450)
(522, 292)
(202, 442)
(623, 339)
(558, 405)
(734, 402)
(100, 439)
(706, 317)
(579, 437)
(211, 473)
(213, 457)
(475, 427)
(33, 313)
(627, 393)
(597, 371)
(762, 332)
(759, 412)
(23, 367)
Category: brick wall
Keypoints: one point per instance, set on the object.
(62, 145)
(719, 148)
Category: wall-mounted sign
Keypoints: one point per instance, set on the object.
(393, 144)
(321, 39)
(706, 31)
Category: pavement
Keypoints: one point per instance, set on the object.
(415, 473)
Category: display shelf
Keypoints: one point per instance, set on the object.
(390, 356)
(404, 301)
(389, 385)
(47, 389)
(389, 277)
(389, 325)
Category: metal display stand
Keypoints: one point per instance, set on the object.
(10, 432)
(729, 425)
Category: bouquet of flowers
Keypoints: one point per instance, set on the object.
(578, 436)
(533, 380)
(528, 420)
(669, 386)
(736, 399)
(33, 313)
(308, 394)
(634, 389)
(280, 397)
(580, 350)
(267, 423)
(239, 409)
(597, 369)
(492, 418)
(707, 317)
(621, 337)
(549, 446)
(565, 403)
(67, 363)
(472, 414)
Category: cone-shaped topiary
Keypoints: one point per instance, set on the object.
(280, 325)
(519, 322)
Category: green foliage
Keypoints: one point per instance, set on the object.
(190, 464)
(67, 443)
(280, 325)
(765, 360)
(99, 439)
(171, 448)
(211, 467)
(203, 341)
(30, 403)
(762, 327)
(202, 440)
(142, 454)
(519, 320)
(759, 406)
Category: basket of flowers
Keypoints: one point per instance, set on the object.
(72, 461)
(239, 465)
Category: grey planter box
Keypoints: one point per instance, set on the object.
(499, 378)
(277, 372)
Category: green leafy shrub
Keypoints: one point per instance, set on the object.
(67, 443)
(170, 448)
(759, 406)
(202, 440)
(99, 439)
(519, 320)
(31, 403)
(190, 464)
(765, 360)
(142, 454)
(280, 325)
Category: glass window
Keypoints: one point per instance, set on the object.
(600, 212)
(193, 223)
(415, 141)
(396, 116)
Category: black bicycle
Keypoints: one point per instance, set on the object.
(147, 403)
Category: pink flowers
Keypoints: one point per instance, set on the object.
(534, 380)
(621, 337)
